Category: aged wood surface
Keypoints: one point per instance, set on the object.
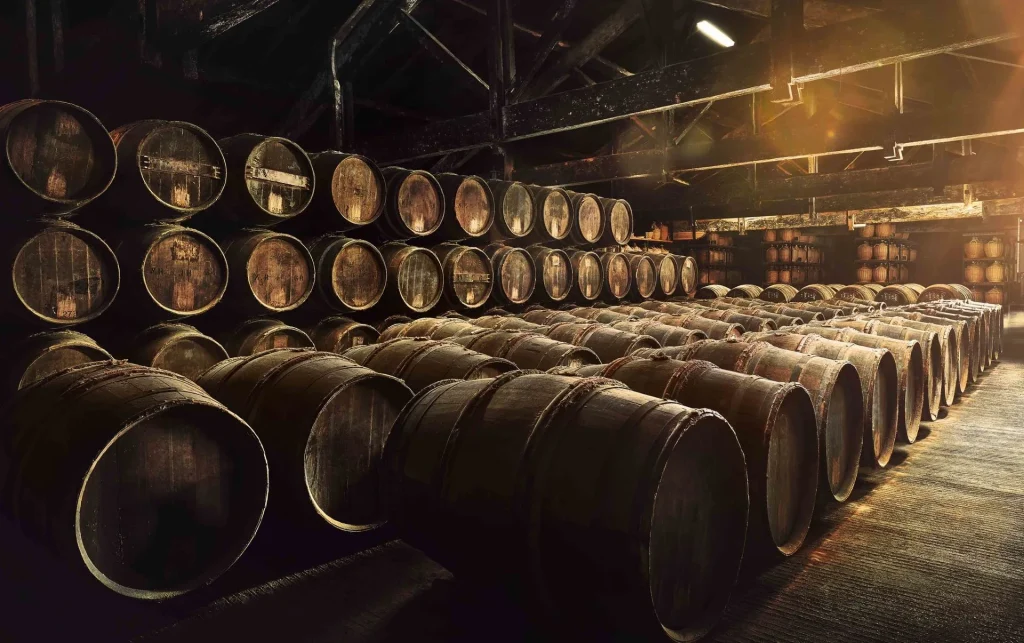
(350, 273)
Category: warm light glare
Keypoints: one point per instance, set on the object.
(715, 34)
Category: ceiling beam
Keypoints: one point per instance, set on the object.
(437, 48)
(817, 13)
(548, 41)
(827, 52)
(903, 130)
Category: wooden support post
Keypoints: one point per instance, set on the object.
(344, 116)
(548, 41)
(32, 47)
(787, 20)
(502, 62)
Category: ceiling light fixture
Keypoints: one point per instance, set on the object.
(715, 34)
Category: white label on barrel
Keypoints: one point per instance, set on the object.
(470, 297)
(556, 261)
(276, 176)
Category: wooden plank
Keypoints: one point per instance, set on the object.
(608, 30)
(787, 20)
(229, 19)
(437, 48)
(829, 52)
(548, 41)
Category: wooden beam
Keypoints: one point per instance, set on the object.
(907, 130)
(502, 62)
(31, 47)
(828, 52)
(817, 13)
(392, 110)
(228, 19)
(437, 48)
(608, 30)
(548, 41)
(787, 20)
(344, 118)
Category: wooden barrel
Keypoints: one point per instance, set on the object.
(749, 322)
(897, 296)
(938, 292)
(608, 343)
(835, 390)
(589, 219)
(545, 317)
(351, 274)
(682, 470)
(515, 274)
(468, 207)
(421, 362)
(856, 294)
(58, 157)
(713, 291)
(643, 276)
(168, 171)
(134, 476)
(61, 275)
(555, 278)
(258, 335)
(712, 328)
(588, 270)
(272, 272)
(350, 194)
(665, 334)
(509, 322)
(324, 421)
(617, 275)
(879, 381)
(414, 206)
(619, 222)
(746, 291)
(909, 369)
(688, 272)
(515, 211)
(338, 334)
(949, 348)
(976, 334)
(270, 180)
(814, 292)
(171, 271)
(599, 315)
(468, 275)
(668, 274)
(933, 360)
(554, 214)
(806, 316)
(430, 327)
(528, 350)
(42, 354)
(178, 348)
(778, 293)
(415, 277)
(774, 422)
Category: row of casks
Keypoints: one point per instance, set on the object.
(61, 158)
(63, 274)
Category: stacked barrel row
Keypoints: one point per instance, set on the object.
(791, 257)
(884, 255)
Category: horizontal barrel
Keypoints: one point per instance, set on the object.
(338, 334)
(508, 322)
(468, 276)
(588, 270)
(515, 274)
(350, 194)
(834, 387)
(324, 421)
(600, 315)
(668, 275)
(959, 343)
(134, 476)
(258, 335)
(619, 227)
(515, 213)
(948, 347)
(775, 424)
(618, 276)
(589, 220)
(61, 275)
(459, 455)
(58, 157)
(554, 214)
(272, 272)
(351, 274)
(421, 362)
(270, 180)
(688, 275)
(468, 207)
(545, 317)
(779, 294)
(714, 291)
(879, 382)
(40, 355)
(555, 276)
(171, 271)
(414, 206)
(746, 291)
(178, 348)
(714, 329)
(608, 343)
(665, 334)
(415, 277)
(168, 172)
(528, 350)
(909, 370)
(644, 276)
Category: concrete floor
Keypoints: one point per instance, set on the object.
(932, 549)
